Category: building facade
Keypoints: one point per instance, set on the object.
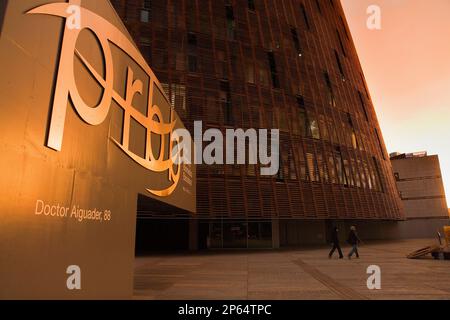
(289, 65)
(419, 181)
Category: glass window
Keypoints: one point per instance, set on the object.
(331, 98)
(323, 127)
(332, 169)
(322, 168)
(263, 74)
(296, 41)
(339, 64)
(251, 5)
(378, 174)
(305, 16)
(301, 162)
(145, 16)
(192, 63)
(362, 173)
(340, 167)
(355, 173)
(230, 22)
(273, 69)
(348, 173)
(313, 126)
(312, 167)
(250, 71)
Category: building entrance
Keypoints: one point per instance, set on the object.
(160, 227)
(239, 234)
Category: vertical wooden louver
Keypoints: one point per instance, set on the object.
(277, 64)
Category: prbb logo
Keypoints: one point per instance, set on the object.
(66, 88)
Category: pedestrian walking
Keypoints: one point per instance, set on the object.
(354, 241)
(335, 242)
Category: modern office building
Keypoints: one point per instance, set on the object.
(288, 64)
(419, 181)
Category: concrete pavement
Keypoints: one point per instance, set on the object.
(293, 274)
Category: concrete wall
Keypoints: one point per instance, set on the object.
(419, 181)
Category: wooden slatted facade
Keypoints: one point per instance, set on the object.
(334, 161)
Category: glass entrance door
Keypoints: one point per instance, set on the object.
(235, 235)
(240, 234)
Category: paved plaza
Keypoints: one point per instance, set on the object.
(293, 274)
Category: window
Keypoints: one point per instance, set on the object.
(177, 96)
(231, 24)
(304, 123)
(378, 175)
(342, 177)
(339, 64)
(146, 10)
(225, 101)
(222, 65)
(348, 173)
(318, 6)
(145, 47)
(352, 132)
(292, 170)
(363, 106)
(273, 69)
(364, 85)
(300, 157)
(250, 71)
(356, 174)
(180, 61)
(332, 101)
(304, 128)
(332, 168)
(192, 52)
(312, 167)
(263, 73)
(300, 101)
(341, 43)
(192, 39)
(305, 16)
(368, 175)
(309, 126)
(323, 127)
(147, 4)
(380, 144)
(145, 16)
(251, 5)
(362, 174)
(192, 63)
(280, 174)
(345, 28)
(322, 168)
(296, 41)
(314, 126)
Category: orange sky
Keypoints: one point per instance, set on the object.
(407, 67)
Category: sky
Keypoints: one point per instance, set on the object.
(407, 68)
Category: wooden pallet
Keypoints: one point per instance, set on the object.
(423, 252)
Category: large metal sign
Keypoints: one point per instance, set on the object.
(86, 127)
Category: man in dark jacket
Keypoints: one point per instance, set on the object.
(335, 242)
(353, 240)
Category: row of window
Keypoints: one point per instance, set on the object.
(265, 76)
(303, 122)
(332, 167)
